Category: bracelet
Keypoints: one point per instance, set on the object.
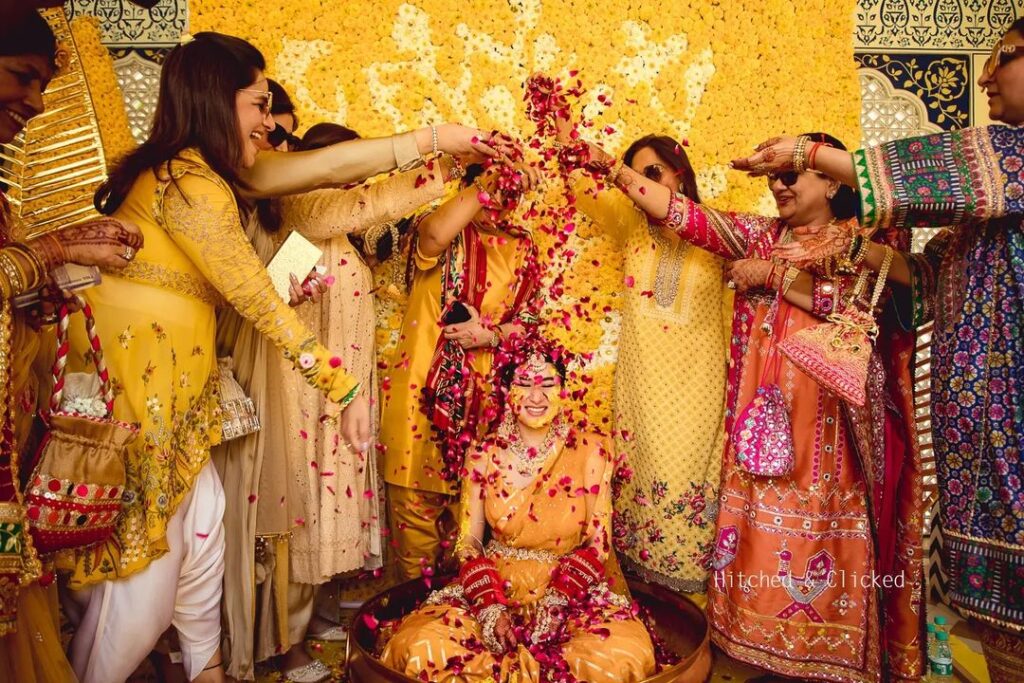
(496, 338)
(799, 154)
(822, 299)
(861, 252)
(488, 619)
(15, 285)
(812, 154)
(771, 276)
(433, 139)
(790, 276)
(38, 267)
(455, 171)
(614, 171)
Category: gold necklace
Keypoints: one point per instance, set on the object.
(525, 458)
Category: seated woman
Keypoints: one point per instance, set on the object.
(535, 601)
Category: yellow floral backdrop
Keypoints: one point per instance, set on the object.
(723, 75)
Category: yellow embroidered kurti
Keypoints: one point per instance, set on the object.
(531, 528)
(669, 393)
(411, 458)
(333, 489)
(156, 322)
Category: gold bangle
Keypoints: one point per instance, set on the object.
(800, 154)
(862, 251)
(38, 269)
(792, 273)
(613, 172)
(15, 282)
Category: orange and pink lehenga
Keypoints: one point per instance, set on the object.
(816, 572)
(566, 507)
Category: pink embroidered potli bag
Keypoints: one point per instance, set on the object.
(835, 354)
(762, 434)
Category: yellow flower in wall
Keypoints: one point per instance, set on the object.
(724, 75)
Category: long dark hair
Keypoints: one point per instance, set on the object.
(846, 202)
(196, 108)
(31, 35)
(673, 154)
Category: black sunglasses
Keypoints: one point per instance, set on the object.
(654, 172)
(789, 178)
(279, 135)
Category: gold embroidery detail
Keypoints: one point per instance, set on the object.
(176, 281)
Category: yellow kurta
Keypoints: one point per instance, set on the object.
(333, 489)
(531, 528)
(156, 322)
(411, 458)
(669, 393)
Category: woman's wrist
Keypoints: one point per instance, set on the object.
(48, 251)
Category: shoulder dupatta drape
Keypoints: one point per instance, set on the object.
(449, 398)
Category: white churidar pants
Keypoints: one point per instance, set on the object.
(119, 622)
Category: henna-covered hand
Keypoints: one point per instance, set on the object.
(107, 242)
(749, 273)
(771, 156)
(814, 243)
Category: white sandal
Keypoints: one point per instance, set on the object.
(314, 672)
(331, 634)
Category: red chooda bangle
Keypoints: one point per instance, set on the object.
(577, 572)
(481, 583)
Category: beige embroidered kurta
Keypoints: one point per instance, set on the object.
(332, 491)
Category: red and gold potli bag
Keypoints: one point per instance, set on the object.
(836, 353)
(74, 495)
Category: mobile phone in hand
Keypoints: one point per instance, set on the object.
(457, 313)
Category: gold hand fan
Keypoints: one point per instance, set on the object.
(53, 167)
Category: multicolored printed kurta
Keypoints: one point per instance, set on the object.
(972, 179)
(795, 555)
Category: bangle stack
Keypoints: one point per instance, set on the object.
(614, 171)
(790, 276)
(771, 276)
(813, 153)
(800, 154)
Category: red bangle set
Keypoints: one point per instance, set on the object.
(577, 572)
(481, 583)
(771, 277)
(811, 154)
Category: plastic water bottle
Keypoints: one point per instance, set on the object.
(940, 663)
(940, 624)
(930, 644)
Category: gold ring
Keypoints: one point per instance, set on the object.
(730, 284)
(129, 253)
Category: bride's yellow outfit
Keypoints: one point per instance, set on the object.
(567, 502)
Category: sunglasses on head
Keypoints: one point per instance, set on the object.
(279, 135)
(1002, 54)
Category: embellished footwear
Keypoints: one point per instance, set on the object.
(332, 634)
(314, 672)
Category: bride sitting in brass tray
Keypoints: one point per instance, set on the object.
(535, 604)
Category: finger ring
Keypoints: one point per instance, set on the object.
(129, 253)
(730, 284)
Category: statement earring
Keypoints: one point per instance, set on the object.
(831, 193)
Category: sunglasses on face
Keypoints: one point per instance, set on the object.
(788, 178)
(654, 172)
(279, 135)
(264, 106)
(1002, 54)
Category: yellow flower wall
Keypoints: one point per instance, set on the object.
(722, 74)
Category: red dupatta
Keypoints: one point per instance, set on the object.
(450, 398)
